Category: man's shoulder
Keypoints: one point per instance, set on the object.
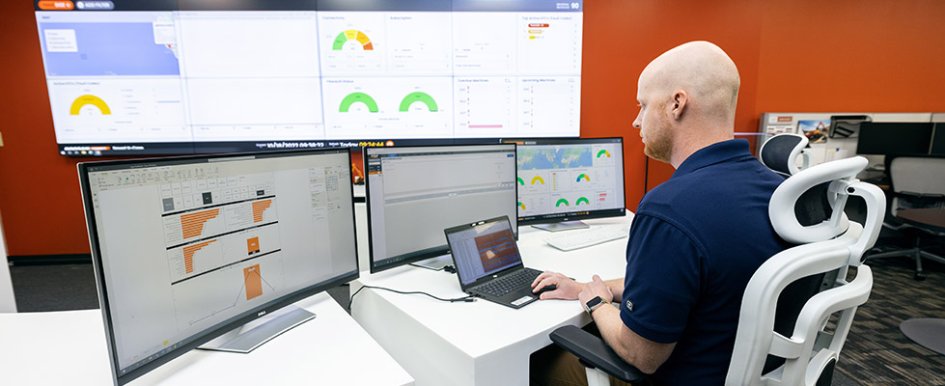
(706, 192)
(677, 190)
(725, 175)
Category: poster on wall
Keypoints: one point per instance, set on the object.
(814, 129)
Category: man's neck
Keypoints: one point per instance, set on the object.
(686, 145)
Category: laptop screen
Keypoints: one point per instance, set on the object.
(483, 249)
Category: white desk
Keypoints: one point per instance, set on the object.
(480, 343)
(68, 348)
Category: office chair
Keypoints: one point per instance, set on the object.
(916, 182)
(783, 336)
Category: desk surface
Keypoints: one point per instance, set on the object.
(68, 348)
(930, 217)
(481, 342)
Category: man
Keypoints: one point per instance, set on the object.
(696, 239)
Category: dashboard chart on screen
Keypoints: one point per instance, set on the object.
(184, 76)
(568, 179)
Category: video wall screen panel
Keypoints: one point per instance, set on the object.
(174, 77)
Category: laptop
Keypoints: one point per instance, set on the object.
(488, 263)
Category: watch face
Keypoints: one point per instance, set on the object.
(593, 303)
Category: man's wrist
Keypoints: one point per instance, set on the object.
(593, 303)
(602, 306)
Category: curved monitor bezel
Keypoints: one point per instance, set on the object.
(407, 258)
(220, 328)
(576, 215)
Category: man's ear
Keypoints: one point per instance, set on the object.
(679, 103)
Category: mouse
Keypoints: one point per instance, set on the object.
(550, 287)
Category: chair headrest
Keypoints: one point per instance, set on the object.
(836, 176)
(779, 152)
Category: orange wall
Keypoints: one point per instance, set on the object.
(40, 201)
(793, 55)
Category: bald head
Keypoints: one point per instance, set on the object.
(687, 101)
(702, 70)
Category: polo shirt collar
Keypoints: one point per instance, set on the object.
(713, 154)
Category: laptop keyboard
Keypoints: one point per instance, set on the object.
(509, 283)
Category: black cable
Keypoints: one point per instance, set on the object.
(468, 298)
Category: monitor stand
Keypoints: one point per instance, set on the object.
(435, 263)
(562, 226)
(249, 336)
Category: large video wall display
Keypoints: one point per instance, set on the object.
(171, 77)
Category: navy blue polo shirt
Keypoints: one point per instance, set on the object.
(695, 242)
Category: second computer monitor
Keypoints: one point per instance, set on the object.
(895, 138)
(414, 193)
(563, 180)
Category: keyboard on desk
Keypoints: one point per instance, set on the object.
(571, 240)
(509, 283)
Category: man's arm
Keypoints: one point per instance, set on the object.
(644, 354)
(616, 287)
(569, 289)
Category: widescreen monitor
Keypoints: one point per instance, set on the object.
(894, 138)
(192, 76)
(187, 249)
(414, 193)
(562, 181)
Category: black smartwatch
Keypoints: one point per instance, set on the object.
(593, 304)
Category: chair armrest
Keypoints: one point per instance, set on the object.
(593, 352)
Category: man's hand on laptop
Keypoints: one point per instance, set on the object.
(564, 287)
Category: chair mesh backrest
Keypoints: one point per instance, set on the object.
(776, 152)
(813, 207)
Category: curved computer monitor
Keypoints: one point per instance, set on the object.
(562, 181)
(414, 193)
(187, 249)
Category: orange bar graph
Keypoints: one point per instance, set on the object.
(189, 252)
(252, 279)
(252, 245)
(259, 207)
(192, 223)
